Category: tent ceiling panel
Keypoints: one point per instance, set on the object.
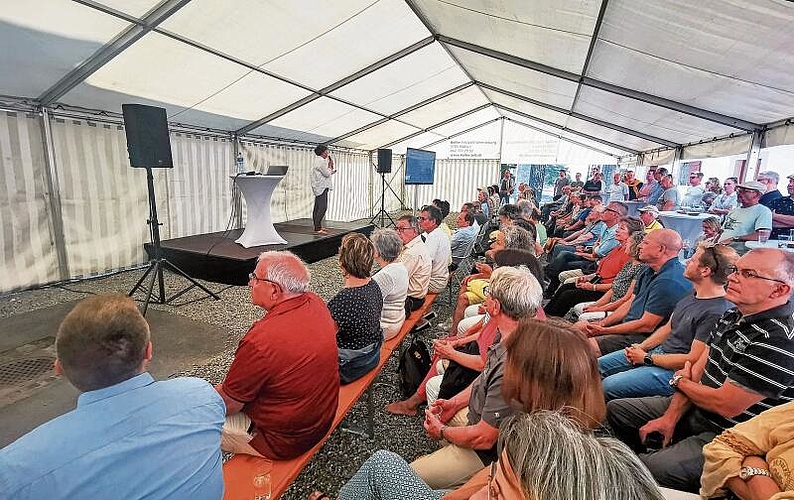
(417, 142)
(743, 39)
(567, 135)
(527, 82)
(732, 97)
(407, 81)
(445, 108)
(135, 8)
(468, 121)
(654, 120)
(636, 143)
(526, 107)
(386, 132)
(551, 32)
(160, 69)
(38, 50)
(325, 117)
(251, 97)
(351, 45)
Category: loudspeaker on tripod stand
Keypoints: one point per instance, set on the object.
(148, 143)
(384, 161)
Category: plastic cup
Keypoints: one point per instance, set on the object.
(763, 236)
(262, 485)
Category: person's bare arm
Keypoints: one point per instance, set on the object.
(780, 220)
(232, 405)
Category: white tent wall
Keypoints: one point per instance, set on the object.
(293, 199)
(103, 200)
(27, 237)
(199, 194)
(455, 181)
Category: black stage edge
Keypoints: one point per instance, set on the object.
(216, 257)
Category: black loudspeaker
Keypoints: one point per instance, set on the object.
(384, 161)
(148, 143)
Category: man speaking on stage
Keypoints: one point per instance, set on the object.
(321, 184)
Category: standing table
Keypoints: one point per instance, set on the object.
(257, 191)
(688, 226)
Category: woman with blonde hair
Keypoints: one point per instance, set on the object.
(356, 309)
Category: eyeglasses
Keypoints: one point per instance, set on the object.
(420, 218)
(399, 229)
(611, 210)
(252, 276)
(749, 273)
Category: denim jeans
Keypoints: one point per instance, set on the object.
(355, 363)
(625, 380)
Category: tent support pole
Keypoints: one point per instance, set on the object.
(501, 139)
(753, 156)
(54, 198)
(237, 202)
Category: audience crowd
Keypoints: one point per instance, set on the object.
(602, 363)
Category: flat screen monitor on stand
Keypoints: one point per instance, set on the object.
(420, 169)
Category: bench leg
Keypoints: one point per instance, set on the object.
(369, 432)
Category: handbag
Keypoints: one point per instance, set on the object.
(458, 377)
(413, 366)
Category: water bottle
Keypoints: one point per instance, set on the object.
(240, 161)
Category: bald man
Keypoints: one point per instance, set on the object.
(657, 289)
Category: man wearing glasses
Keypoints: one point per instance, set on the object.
(416, 258)
(747, 367)
(282, 388)
(770, 180)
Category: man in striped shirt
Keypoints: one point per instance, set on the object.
(747, 368)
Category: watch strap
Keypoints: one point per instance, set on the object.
(747, 472)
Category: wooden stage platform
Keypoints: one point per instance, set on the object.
(216, 257)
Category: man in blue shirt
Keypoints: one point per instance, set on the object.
(463, 239)
(658, 190)
(656, 292)
(129, 437)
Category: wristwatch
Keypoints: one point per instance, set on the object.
(648, 359)
(674, 381)
(745, 473)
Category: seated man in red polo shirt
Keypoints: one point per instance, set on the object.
(282, 389)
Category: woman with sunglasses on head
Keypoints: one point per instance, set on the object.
(356, 309)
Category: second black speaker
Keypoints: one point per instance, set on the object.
(384, 161)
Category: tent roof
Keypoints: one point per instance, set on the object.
(618, 75)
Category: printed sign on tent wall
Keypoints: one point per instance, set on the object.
(474, 148)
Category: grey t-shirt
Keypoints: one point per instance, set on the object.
(486, 402)
(693, 318)
(668, 195)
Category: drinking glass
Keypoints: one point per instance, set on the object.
(262, 485)
(782, 240)
(763, 236)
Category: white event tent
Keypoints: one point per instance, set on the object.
(629, 80)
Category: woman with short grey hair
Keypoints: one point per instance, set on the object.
(392, 280)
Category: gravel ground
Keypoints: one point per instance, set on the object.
(343, 453)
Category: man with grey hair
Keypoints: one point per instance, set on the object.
(282, 388)
(769, 179)
(469, 421)
(417, 260)
(747, 367)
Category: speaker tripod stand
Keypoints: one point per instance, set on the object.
(159, 263)
(382, 213)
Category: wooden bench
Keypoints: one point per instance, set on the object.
(238, 472)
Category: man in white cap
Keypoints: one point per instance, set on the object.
(743, 223)
(649, 216)
(783, 211)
